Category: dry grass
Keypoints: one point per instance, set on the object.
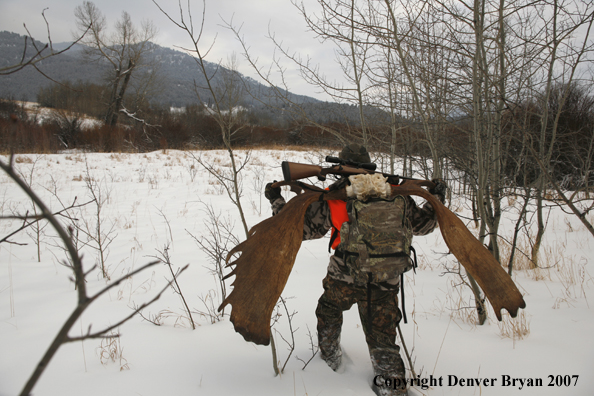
(521, 256)
(574, 278)
(516, 328)
(271, 147)
(459, 301)
(110, 350)
(118, 157)
(424, 263)
(556, 264)
(215, 187)
(23, 160)
(76, 158)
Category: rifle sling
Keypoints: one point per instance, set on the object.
(344, 254)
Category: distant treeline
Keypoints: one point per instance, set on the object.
(72, 118)
(74, 122)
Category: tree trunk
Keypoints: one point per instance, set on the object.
(117, 106)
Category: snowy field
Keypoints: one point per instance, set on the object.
(161, 199)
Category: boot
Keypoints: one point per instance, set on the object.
(331, 352)
(389, 374)
(385, 390)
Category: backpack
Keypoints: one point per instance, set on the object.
(376, 240)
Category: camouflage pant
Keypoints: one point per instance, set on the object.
(385, 315)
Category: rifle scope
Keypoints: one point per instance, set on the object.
(365, 165)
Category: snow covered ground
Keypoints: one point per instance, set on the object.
(161, 198)
(44, 114)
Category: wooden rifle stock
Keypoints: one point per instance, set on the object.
(295, 171)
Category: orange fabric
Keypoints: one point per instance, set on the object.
(338, 215)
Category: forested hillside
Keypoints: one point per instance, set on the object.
(176, 69)
(178, 81)
(25, 84)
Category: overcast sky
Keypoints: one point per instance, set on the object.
(255, 16)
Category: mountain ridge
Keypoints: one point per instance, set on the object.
(177, 70)
(178, 77)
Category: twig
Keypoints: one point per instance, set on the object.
(441, 346)
(37, 219)
(166, 260)
(292, 343)
(100, 334)
(156, 319)
(410, 363)
(79, 278)
(314, 350)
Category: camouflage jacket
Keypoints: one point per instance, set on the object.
(317, 223)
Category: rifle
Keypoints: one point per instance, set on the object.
(293, 171)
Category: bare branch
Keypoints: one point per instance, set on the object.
(137, 310)
(40, 53)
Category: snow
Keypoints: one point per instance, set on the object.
(45, 115)
(155, 199)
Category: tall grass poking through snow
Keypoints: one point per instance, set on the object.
(515, 328)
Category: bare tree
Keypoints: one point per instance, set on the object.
(562, 56)
(224, 86)
(283, 101)
(124, 50)
(339, 23)
(217, 243)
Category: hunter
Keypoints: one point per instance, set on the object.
(374, 288)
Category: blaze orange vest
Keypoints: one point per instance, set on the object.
(338, 215)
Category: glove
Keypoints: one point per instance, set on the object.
(440, 189)
(272, 193)
(394, 180)
(340, 183)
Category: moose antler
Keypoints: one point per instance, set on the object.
(497, 285)
(262, 269)
(269, 252)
